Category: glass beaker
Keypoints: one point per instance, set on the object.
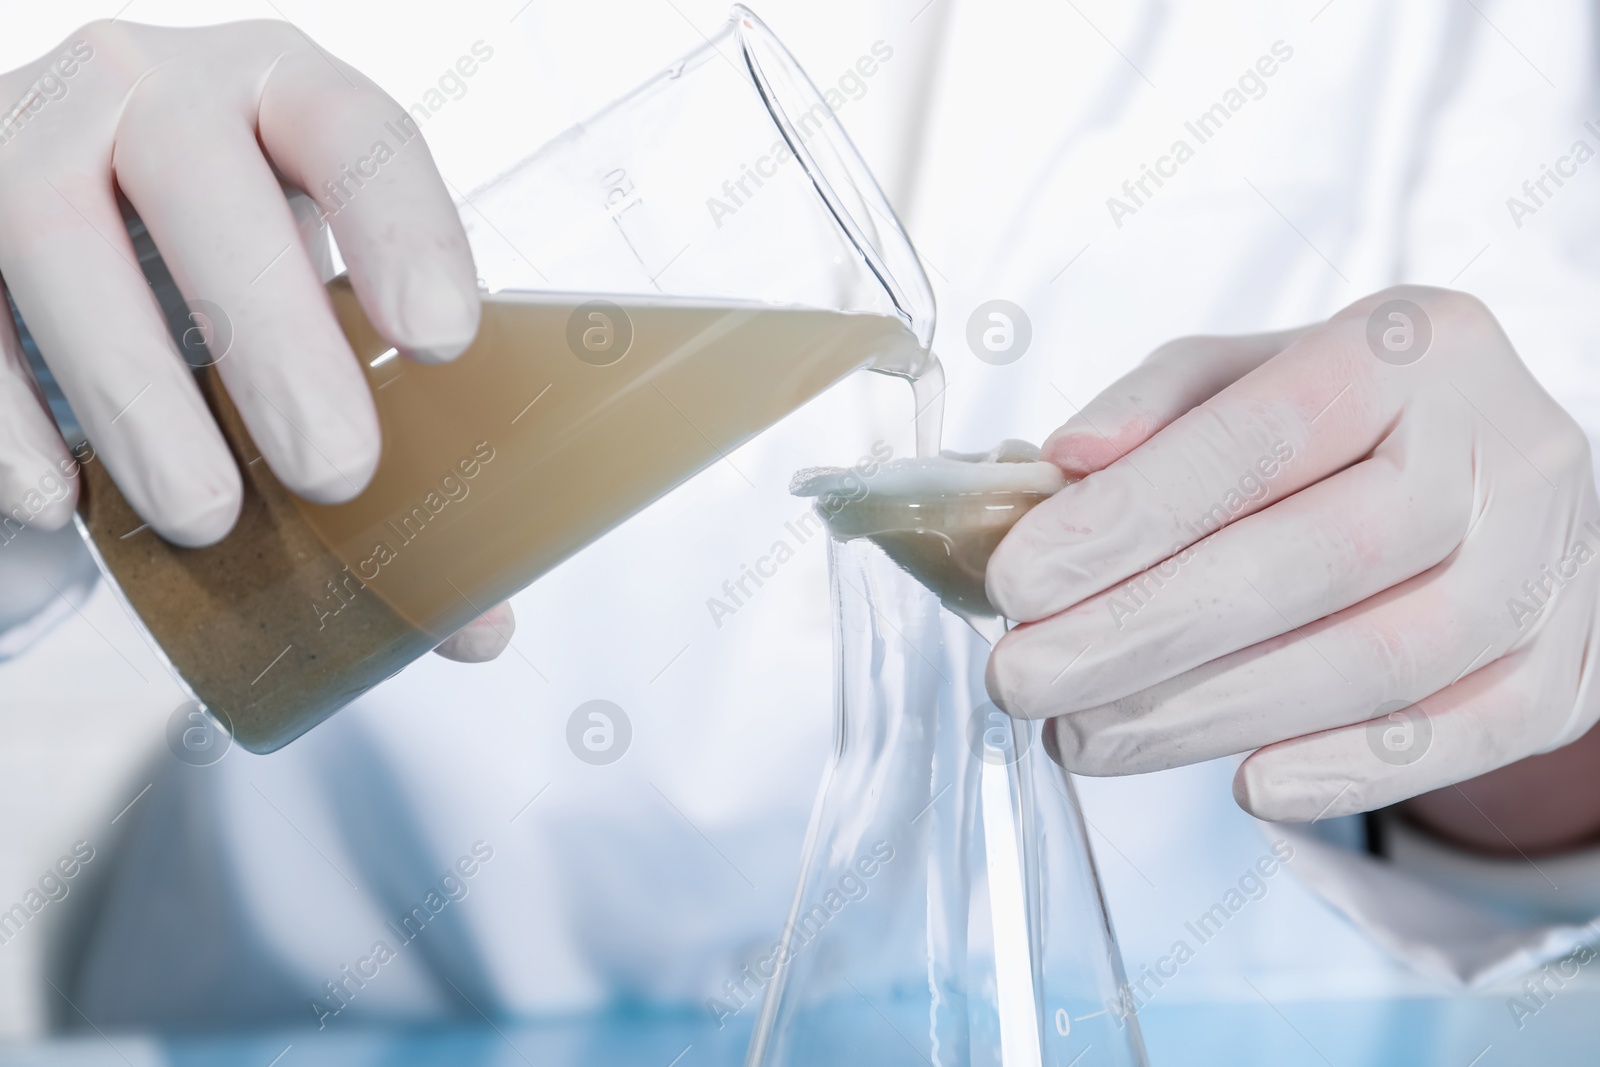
(948, 910)
(661, 283)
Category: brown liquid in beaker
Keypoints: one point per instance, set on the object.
(495, 468)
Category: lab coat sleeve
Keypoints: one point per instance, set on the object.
(1473, 919)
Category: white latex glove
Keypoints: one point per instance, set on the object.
(1382, 533)
(195, 127)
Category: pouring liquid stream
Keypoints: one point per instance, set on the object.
(1019, 1010)
(927, 394)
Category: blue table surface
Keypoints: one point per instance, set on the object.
(1462, 1031)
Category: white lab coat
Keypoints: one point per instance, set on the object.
(1382, 149)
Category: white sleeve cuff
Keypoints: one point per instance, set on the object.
(1474, 919)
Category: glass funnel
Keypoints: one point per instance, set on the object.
(948, 910)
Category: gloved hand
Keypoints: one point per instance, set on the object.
(195, 127)
(1282, 542)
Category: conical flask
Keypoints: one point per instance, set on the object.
(948, 911)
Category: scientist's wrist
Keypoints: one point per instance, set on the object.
(1536, 806)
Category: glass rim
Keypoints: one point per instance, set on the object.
(768, 63)
(781, 82)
